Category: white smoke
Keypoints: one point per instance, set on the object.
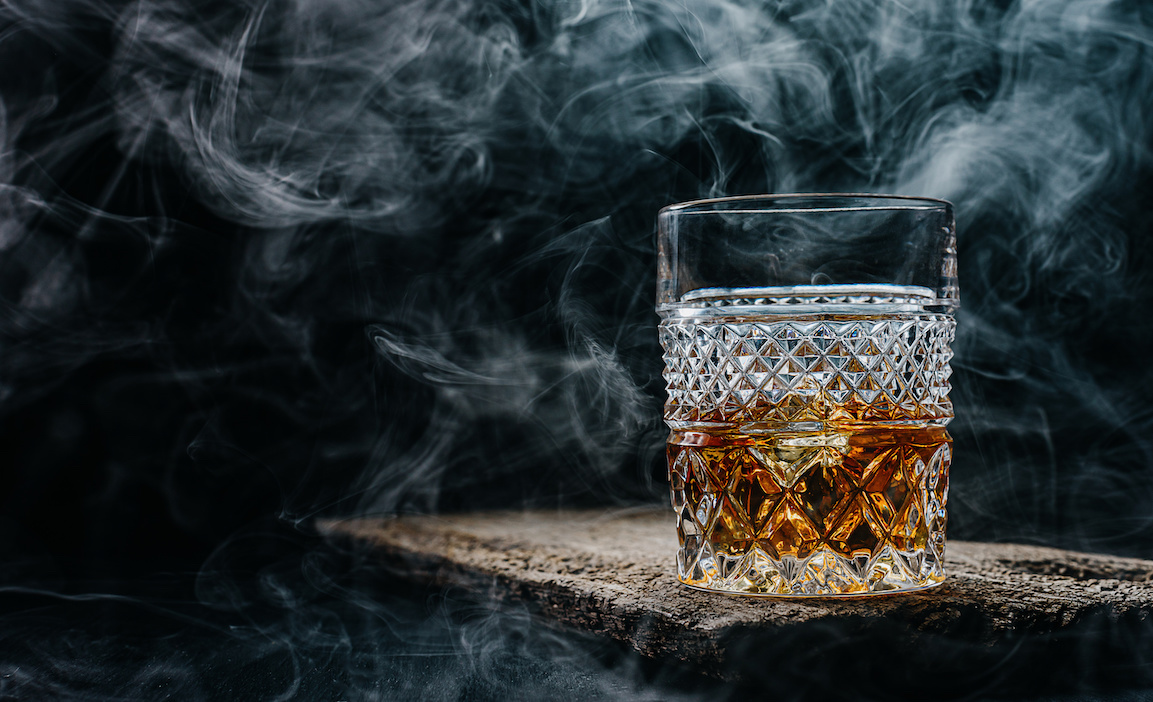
(266, 261)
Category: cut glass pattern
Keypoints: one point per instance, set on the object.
(808, 370)
(809, 454)
(847, 514)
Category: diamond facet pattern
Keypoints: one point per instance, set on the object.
(809, 454)
(797, 513)
(799, 370)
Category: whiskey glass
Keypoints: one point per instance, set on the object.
(806, 345)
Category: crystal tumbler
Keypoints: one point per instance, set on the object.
(807, 344)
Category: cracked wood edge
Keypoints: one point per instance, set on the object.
(612, 572)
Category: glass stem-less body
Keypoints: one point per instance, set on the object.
(808, 453)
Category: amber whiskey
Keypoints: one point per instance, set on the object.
(849, 509)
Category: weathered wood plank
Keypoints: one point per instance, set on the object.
(611, 572)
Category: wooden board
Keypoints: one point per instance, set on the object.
(612, 572)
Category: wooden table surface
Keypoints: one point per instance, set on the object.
(612, 573)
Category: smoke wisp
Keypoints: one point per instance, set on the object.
(265, 262)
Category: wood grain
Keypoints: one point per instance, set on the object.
(612, 572)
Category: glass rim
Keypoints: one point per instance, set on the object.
(892, 202)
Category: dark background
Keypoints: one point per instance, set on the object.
(264, 263)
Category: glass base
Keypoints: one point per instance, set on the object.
(824, 574)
